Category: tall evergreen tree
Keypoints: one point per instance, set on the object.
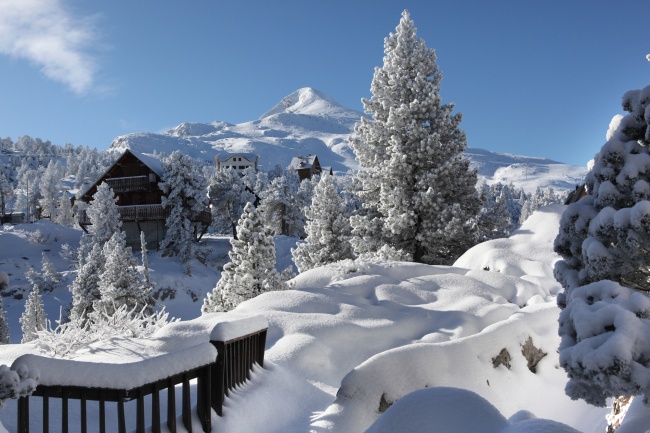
(418, 192)
(64, 211)
(4, 327)
(104, 215)
(282, 205)
(228, 196)
(146, 277)
(119, 283)
(33, 318)
(604, 240)
(50, 188)
(6, 193)
(185, 190)
(27, 192)
(251, 270)
(85, 288)
(328, 229)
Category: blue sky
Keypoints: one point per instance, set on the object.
(536, 78)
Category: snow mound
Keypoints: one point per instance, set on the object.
(527, 254)
(451, 410)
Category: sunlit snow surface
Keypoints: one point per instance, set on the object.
(353, 336)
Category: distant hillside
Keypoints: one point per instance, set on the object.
(310, 122)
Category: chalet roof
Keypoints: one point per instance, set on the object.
(152, 163)
(223, 156)
(298, 162)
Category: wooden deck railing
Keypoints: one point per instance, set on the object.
(232, 366)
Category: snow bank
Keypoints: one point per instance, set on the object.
(454, 410)
(527, 254)
(465, 363)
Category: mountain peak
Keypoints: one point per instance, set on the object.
(309, 101)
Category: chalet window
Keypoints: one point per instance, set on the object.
(242, 167)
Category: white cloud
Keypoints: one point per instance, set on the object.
(48, 35)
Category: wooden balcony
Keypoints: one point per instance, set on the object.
(129, 184)
(151, 212)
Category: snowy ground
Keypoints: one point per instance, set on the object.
(356, 340)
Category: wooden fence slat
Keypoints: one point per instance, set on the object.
(64, 415)
(84, 415)
(140, 414)
(171, 407)
(45, 401)
(102, 416)
(121, 421)
(155, 409)
(186, 408)
(23, 415)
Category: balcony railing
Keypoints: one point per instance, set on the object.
(128, 184)
(146, 213)
(236, 354)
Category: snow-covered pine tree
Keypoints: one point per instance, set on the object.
(418, 192)
(255, 181)
(228, 196)
(328, 229)
(604, 240)
(282, 205)
(104, 215)
(146, 277)
(64, 211)
(27, 192)
(33, 318)
(4, 327)
(6, 192)
(49, 274)
(85, 288)
(185, 190)
(494, 220)
(119, 283)
(251, 270)
(50, 188)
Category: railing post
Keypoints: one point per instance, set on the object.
(218, 378)
(261, 343)
(203, 396)
(23, 415)
(171, 406)
(186, 409)
(155, 409)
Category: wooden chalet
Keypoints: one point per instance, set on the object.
(134, 179)
(306, 166)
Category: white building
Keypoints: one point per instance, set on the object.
(236, 161)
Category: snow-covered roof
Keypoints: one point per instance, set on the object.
(153, 163)
(302, 161)
(224, 156)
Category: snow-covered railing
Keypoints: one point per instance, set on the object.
(219, 359)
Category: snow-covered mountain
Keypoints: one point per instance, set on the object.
(310, 122)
